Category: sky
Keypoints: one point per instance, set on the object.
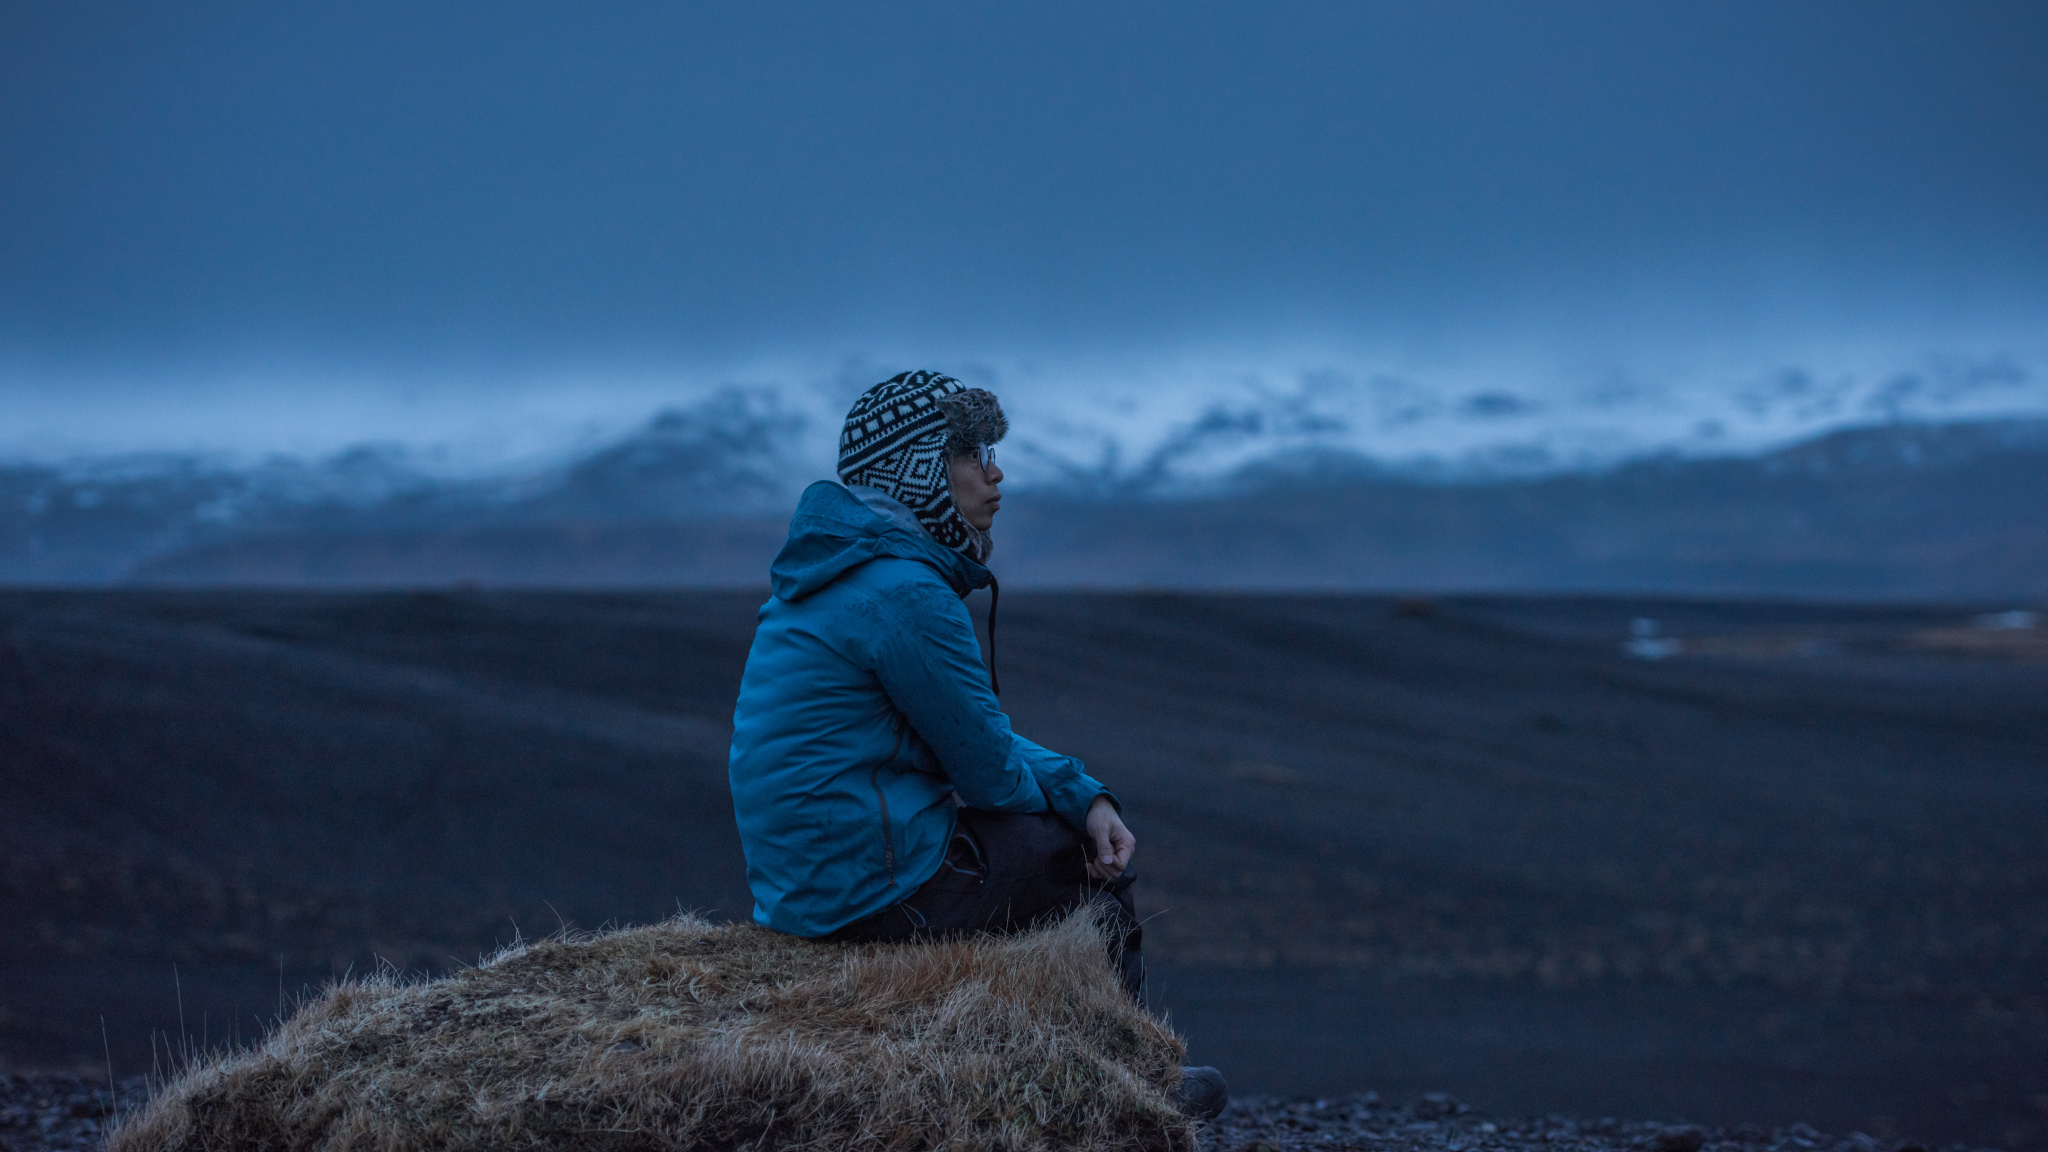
(1450, 229)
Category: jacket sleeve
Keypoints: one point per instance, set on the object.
(927, 659)
(1065, 781)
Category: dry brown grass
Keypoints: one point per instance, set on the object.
(687, 1034)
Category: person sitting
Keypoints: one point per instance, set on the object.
(880, 792)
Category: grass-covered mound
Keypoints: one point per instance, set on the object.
(687, 1034)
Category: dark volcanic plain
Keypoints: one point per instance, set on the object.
(1793, 874)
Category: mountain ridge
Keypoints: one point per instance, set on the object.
(699, 498)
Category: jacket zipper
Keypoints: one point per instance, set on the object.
(888, 844)
(882, 801)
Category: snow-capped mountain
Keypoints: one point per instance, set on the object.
(700, 495)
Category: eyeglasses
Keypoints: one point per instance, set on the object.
(986, 453)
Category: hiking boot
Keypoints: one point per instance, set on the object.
(1202, 1093)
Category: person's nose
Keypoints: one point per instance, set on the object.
(994, 473)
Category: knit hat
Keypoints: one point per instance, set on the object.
(901, 436)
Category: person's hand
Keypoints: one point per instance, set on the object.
(1113, 842)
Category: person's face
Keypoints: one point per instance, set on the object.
(974, 490)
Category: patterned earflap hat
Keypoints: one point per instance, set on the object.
(900, 437)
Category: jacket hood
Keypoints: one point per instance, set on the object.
(837, 527)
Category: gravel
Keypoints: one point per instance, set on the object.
(1437, 1121)
(48, 1112)
(56, 1111)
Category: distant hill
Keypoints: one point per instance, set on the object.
(700, 499)
(634, 511)
(1903, 511)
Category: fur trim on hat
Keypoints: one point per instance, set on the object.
(973, 417)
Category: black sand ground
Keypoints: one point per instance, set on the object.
(1794, 876)
(72, 1113)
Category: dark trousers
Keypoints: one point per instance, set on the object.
(1007, 871)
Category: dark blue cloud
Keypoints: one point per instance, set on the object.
(1493, 405)
(384, 181)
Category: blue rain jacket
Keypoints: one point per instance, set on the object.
(865, 707)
